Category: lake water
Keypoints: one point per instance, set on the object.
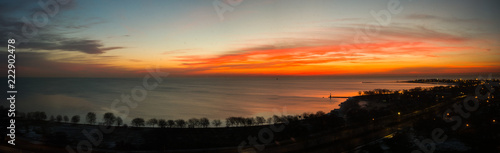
(214, 98)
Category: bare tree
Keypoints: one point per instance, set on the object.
(59, 118)
(162, 123)
(180, 123)
(119, 121)
(307, 115)
(249, 121)
(37, 115)
(216, 123)
(260, 120)
(204, 122)
(234, 121)
(284, 119)
(43, 116)
(276, 119)
(152, 122)
(109, 119)
(320, 113)
(171, 123)
(75, 119)
(193, 122)
(291, 118)
(90, 118)
(29, 115)
(137, 122)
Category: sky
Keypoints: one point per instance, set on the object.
(252, 37)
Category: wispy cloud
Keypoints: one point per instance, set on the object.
(39, 64)
(440, 18)
(284, 43)
(52, 36)
(80, 45)
(179, 51)
(295, 58)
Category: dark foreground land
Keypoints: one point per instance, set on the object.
(460, 117)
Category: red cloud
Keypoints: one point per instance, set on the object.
(307, 60)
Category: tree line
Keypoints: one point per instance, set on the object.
(109, 119)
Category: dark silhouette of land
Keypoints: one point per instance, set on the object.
(378, 120)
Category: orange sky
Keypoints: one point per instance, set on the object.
(261, 38)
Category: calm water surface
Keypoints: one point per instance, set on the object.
(214, 98)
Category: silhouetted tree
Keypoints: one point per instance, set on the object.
(284, 119)
(249, 121)
(320, 113)
(276, 119)
(269, 120)
(307, 115)
(230, 121)
(109, 119)
(43, 116)
(292, 117)
(241, 121)
(66, 118)
(91, 118)
(260, 120)
(162, 123)
(204, 122)
(137, 122)
(180, 123)
(119, 121)
(52, 118)
(193, 122)
(59, 118)
(21, 115)
(29, 115)
(171, 123)
(152, 122)
(216, 123)
(235, 121)
(36, 116)
(75, 119)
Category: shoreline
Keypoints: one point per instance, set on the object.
(352, 117)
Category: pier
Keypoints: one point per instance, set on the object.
(337, 96)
